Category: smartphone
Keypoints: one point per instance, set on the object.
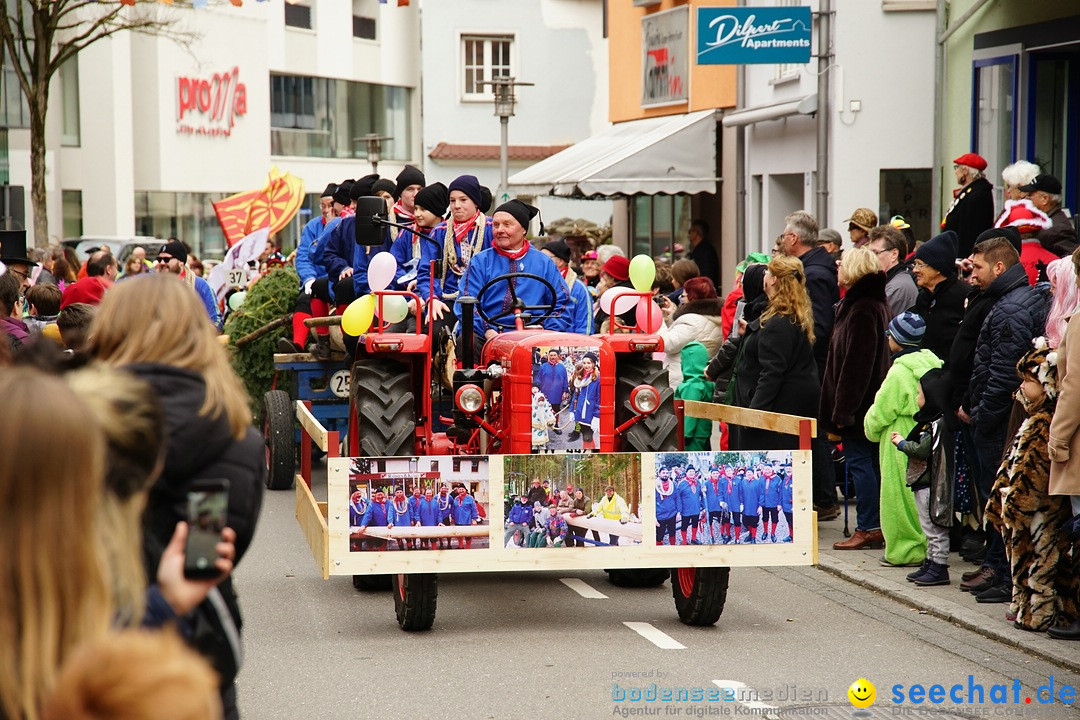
(207, 505)
(740, 308)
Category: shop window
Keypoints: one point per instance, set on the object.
(298, 16)
(1052, 137)
(14, 112)
(485, 57)
(994, 114)
(69, 106)
(660, 224)
(363, 28)
(71, 203)
(907, 192)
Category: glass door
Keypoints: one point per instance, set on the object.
(1053, 117)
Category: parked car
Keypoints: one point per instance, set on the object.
(120, 246)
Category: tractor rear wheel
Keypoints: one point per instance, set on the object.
(700, 593)
(385, 407)
(372, 583)
(415, 597)
(644, 578)
(279, 436)
(658, 431)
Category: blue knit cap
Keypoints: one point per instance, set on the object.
(907, 329)
(469, 185)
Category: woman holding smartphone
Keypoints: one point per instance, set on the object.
(157, 329)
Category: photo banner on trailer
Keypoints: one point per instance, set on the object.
(568, 511)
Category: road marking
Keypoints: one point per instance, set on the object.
(742, 693)
(583, 589)
(658, 638)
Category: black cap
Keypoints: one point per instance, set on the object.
(1009, 233)
(408, 176)
(330, 190)
(1042, 183)
(384, 185)
(174, 248)
(363, 187)
(434, 198)
(341, 195)
(485, 199)
(559, 249)
(521, 212)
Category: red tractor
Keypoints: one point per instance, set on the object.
(391, 414)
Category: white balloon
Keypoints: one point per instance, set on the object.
(381, 271)
(394, 308)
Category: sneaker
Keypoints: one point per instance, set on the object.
(922, 569)
(936, 574)
(982, 581)
(996, 593)
(285, 345)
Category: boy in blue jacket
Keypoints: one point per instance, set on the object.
(688, 502)
(753, 497)
(666, 508)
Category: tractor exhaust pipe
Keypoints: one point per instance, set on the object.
(467, 309)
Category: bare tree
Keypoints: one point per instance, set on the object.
(39, 36)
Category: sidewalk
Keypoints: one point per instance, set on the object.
(946, 601)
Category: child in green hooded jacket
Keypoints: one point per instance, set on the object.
(697, 432)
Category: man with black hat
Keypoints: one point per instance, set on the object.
(1045, 193)
(172, 258)
(511, 253)
(13, 255)
(428, 208)
(580, 308)
(972, 209)
(409, 182)
(941, 295)
(308, 271)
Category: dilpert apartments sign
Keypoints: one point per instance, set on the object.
(748, 35)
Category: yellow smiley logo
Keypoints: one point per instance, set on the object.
(862, 693)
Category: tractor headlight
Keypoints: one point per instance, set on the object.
(644, 399)
(469, 399)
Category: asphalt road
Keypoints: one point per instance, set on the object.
(518, 645)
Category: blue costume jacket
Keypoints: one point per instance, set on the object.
(402, 250)
(414, 508)
(786, 495)
(688, 498)
(552, 381)
(772, 494)
(715, 495)
(356, 512)
(377, 514)
(666, 505)
(587, 402)
(443, 505)
(463, 510)
(753, 495)
(580, 307)
(492, 263)
(209, 301)
(361, 258)
(305, 268)
(331, 252)
(434, 249)
(734, 489)
(399, 518)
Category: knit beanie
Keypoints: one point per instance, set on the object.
(341, 195)
(331, 188)
(907, 329)
(559, 249)
(364, 187)
(174, 249)
(469, 185)
(409, 175)
(433, 198)
(384, 185)
(1009, 233)
(939, 252)
(521, 212)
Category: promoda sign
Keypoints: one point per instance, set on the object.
(210, 106)
(741, 36)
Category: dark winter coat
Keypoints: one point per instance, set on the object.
(202, 448)
(776, 373)
(961, 357)
(942, 309)
(1018, 315)
(820, 269)
(858, 357)
(971, 214)
(1060, 238)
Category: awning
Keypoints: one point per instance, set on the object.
(669, 154)
(774, 111)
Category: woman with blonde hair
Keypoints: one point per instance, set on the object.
(855, 367)
(54, 586)
(777, 371)
(155, 327)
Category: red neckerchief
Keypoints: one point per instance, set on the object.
(400, 211)
(564, 271)
(516, 255)
(346, 212)
(460, 231)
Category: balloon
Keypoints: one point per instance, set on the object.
(358, 316)
(381, 271)
(642, 273)
(236, 300)
(395, 308)
(649, 316)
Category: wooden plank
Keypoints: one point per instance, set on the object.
(630, 530)
(777, 422)
(312, 518)
(412, 532)
(313, 427)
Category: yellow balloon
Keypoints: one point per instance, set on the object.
(358, 316)
(642, 273)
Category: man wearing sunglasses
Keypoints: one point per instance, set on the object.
(172, 258)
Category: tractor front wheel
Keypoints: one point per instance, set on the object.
(656, 432)
(700, 593)
(415, 597)
(279, 436)
(385, 407)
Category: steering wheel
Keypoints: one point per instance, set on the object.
(506, 320)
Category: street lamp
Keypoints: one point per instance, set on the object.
(374, 148)
(503, 88)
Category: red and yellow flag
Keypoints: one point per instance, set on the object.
(273, 206)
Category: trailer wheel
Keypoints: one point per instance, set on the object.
(372, 583)
(385, 407)
(278, 434)
(700, 593)
(415, 598)
(657, 432)
(646, 578)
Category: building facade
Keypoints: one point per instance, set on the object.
(144, 132)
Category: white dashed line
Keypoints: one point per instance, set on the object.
(742, 695)
(583, 589)
(656, 637)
